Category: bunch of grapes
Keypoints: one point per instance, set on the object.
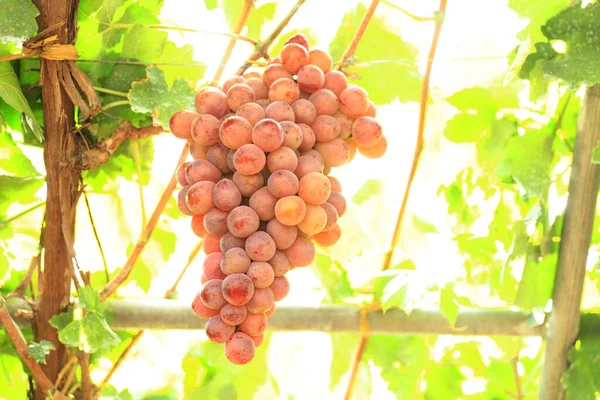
(258, 188)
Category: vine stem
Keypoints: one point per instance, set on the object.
(408, 13)
(359, 34)
(18, 340)
(362, 341)
(89, 210)
(115, 104)
(22, 213)
(110, 91)
(113, 285)
(239, 25)
(263, 46)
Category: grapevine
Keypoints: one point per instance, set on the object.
(259, 189)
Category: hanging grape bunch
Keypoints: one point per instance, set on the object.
(258, 189)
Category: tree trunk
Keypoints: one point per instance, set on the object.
(62, 179)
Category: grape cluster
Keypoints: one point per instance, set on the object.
(258, 189)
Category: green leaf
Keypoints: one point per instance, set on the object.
(596, 154)
(581, 380)
(17, 20)
(537, 14)
(443, 381)
(342, 345)
(39, 351)
(466, 128)
(404, 291)
(154, 96)
(60, 321)
(333, 277)
(448, 303)
(109, 392)
(10, 91)
(89, 300)
(256, 19)
(535, 288)
(21, 190)
(210, 4)
(165, 239)
(14, 383)
(12, 159)
(371, 188)
(180, 55)
(90, 334)
(396, 78)
(423, 226)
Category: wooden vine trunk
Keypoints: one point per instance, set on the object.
(62, 181)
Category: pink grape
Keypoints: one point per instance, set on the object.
(332, 216)
(260, 246)
(211, 294)
(233, 315)
(215, 221)
(321, 59)
(283, 183)
(338, 201)
(304, 111)
(293, 57)
(218, 331)
(308, 137)
(230, 82)
(376, 151)
(328, 238)
(345, 124)
(200, 309)
(366, 131)
(263, 203)
(217, 156)
(181, 124)
(325, 102)
(292, 135)
(284, 89)
(264, 103)
(261, 91)
(235, 132)
(283, 235)
(282, 158)
(290, 210)
(335, 81)
(301, 253)
(254, 324)
(273, 72)
(205, 130)
(242, 221)
(280, 111)
(235, 261)
(240, 349)
(252, 113)
(314, 188)
(197, 151)
(199, 197)
(372, 110)
(326, 128)
(226, 195)
(306, 165)
(212, 101)
(237, 289)
(354, 101)
(314, 221)
(229, 241)
(311, 78)
(299, 38)
(270, 311)
(335, 152)
(336, 186)
(279, 263)
(259, 338)
(202, 170)
(261, 273)
(211, 266)
(239, 94)
(181, 203)
(248, 184)
(280, 288)
(351, 148)
(211, 244)
(249, 159)
(198, 225)
(261, 301)
(315, 154)
(267, 135)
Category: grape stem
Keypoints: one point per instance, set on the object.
(115, 104)
(362, 341)
(110, 91)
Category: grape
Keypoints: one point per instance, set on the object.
(252, 113)
(218, 331)
(376, 151)
(336, 186)
(211, 294)
(261, 301)
(300, 39)
(345, 124)
(263, 202)
(283, 235)
(240, 349)
(199, 197)
(332, 216)
(314, 188)
(181, 124)
(203, 279)
(261, 91)
(217, 156)
(301, 253)
(226, 195)
(306, 165)
(279, 263)
(242, 221)
(268, 136)
(372, 110)
(181, 203)
(284, 89)
(239, 94)
(335, 153)
(211, 267)
(260, 246)
(351, 148)
(248, 184)
(197, 151)
(304, 111)
(280, 288)
(252, 74)
(326, 128)
(280, 111)
(338, 201)
(273, 72)
(200, 309)
(211, 244)
(205, 130)
(198, 225)
(315, 154)
(311, 78)
(238, 289)
(283, 183)
(262, 274)
(328, 238)
(321, 59)
(308, 137)
(314, 221)
(235, 132)
(335, 81)
(258, 339)
(292, 135)
(202, 170)
(235, 261)
(366, 131)
(354, 101)
(230, 155)
(325, 102)
(212, 101)
(215, 221)
(290, 210)
(233, 315)
(264, 103)
(282, 158)
(249, 159)
(229, 241)
(230, 82)
(293, 57)
(254, 324)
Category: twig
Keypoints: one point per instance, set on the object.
(515, 368)
(89, 209)
(87, 387)
(558, 124)
(169, 294)
(138, 166)
(18, 340)
(359, 34)
(112, 286)
(21, 214)
(241, 21)
(63, 371)
(110, 91)
(408, 13)
(114, 104)
(101, 151)
(263, 46)
(22, 287)
(362, 341)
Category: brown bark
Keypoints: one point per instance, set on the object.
(62, 179)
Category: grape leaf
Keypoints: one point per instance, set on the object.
(443, 381)
(180, 55)
(581, 380)
(596, 154)
(17, 20)
(210, 4)
(537, 14)
(371, 188)
(257, 17)
(380, 42)
(12, 159)
(154, 96)
(14, 383)
(448, 304)
(341, 349)
(39, 351)
(15, 189)
(333, 277)
(109, 392)
(535, 288)
(405, 290)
